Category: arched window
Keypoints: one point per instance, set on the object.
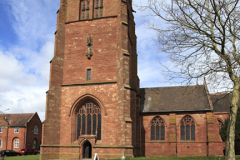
(84, 9)
(34, 144)
(89, 120)
(1, 143)
(98, 9)
(157, 129)
(35, 130)
(187, 128)
(16, 143)
(220, 123)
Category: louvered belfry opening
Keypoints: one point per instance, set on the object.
(157, 129)
(84, 9)
(98, 9)
(187, 128)
(89, 120)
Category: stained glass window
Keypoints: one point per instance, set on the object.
(94, 123)
(89, 120)
(157, 129)
(99, 127)
(89, 126)
(83, 124)
(187, 128)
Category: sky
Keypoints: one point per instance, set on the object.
(27, 46)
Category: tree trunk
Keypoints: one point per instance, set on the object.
(230, 143)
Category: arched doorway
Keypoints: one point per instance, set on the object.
(87, 150)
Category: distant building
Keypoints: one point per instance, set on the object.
(94, 103)
(19, 131)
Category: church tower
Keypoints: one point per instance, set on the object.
(93, 98)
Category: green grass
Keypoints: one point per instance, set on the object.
(181, 158)
(27, 157)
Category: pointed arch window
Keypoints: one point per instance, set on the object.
(187, 128)
(98, 9)
(89, 120)
(84, 9)
(157, 129)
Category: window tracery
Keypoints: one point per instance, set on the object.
(157, 129)
(187, 128)
(89, 120)
(98, 9)
(84, 9)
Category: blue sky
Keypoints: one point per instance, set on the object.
(26, 47)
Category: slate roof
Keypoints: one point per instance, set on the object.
(18, 120)
(180, 98)
(221, 102)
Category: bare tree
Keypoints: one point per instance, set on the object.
(202, 39)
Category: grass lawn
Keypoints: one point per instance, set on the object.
(27, 157)
(36, 157)
(182, 158)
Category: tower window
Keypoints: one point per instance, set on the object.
(89, 120)
(98, 9)
(187, 128)
(84, 9)
(157, 129)
(88, 74)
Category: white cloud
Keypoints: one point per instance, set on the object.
(24, 67)
(33, 20)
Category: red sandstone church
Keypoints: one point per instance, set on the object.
(94, 103)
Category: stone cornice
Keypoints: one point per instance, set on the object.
(114, 16)
(88, 83)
